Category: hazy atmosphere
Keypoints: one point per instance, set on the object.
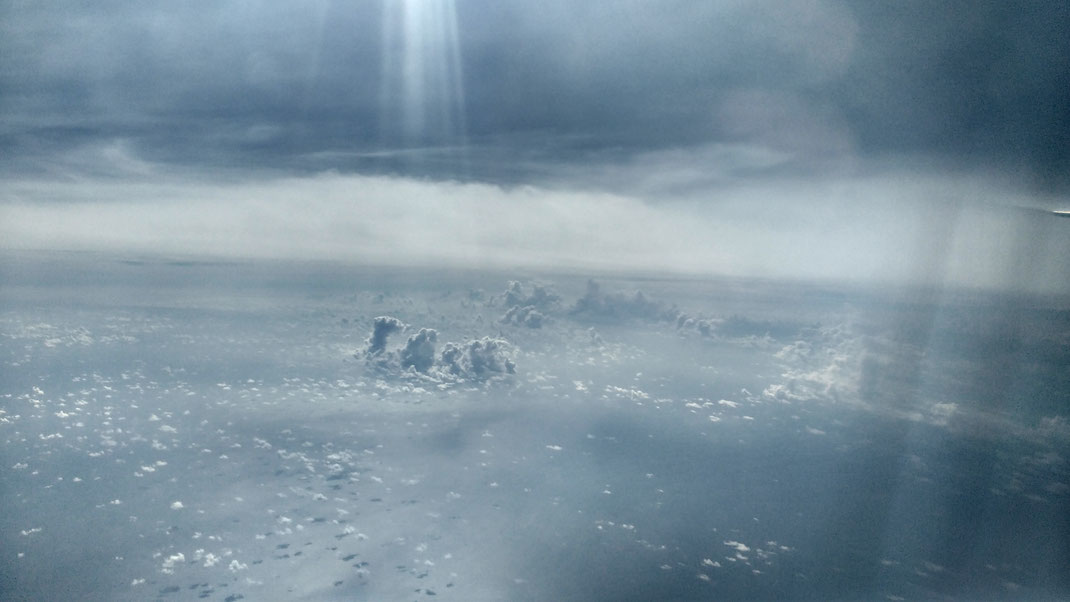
(515, 300)
(807, 138)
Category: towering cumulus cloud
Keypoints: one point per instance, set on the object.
(528, 310)
(540, 298)
(419, 351)
(382, 327)
(478, 359)
(524, 316)
(613, 307)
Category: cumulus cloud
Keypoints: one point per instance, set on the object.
(382, 327)
(704, 326)
(419, 351)
(478, 359)
(827, 367)
(615, 307)
(524, 316)
(528, 309)
(891, 368)
(169, 563)
(541, 297)
(736, 326)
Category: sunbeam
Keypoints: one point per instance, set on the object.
(422, 90)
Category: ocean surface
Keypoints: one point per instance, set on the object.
(177, 429)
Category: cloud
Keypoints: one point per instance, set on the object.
(740, 327)
(169, 563)
(478, 359)
(525, 315)
(879, 228)
(527, 309)
(973, 364)
(541, 297)
(382, 327)
(614, 307)
(704, 326)
(619, 77)
(419, 351)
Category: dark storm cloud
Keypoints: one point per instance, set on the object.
(303, 86)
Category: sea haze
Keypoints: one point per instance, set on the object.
(181, 429)
(535, 300)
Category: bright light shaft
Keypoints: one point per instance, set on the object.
(423, 91)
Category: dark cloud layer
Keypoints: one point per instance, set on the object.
(307, 87)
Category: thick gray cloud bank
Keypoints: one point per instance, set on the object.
(806, 138)
(348, 83)
(880, 229)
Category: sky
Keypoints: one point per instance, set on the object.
(803, 138)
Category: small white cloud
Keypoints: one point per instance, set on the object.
(737, 545)
(168, 566)
(177, 505)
